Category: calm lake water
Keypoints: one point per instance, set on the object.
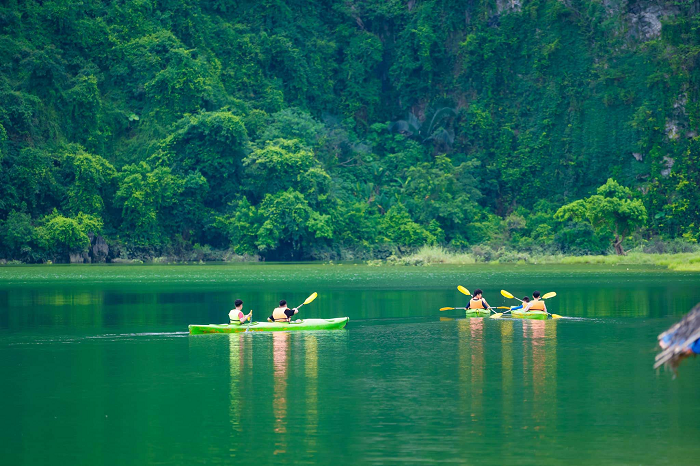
(97, 367)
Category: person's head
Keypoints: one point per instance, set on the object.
(283, 303)
(477, 293)
(535, 294)
(238, 303)
(526, 299)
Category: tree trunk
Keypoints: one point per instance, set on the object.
(617, 244)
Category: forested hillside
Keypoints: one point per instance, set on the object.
(347, 129)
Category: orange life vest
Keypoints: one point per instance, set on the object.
(279, 315)
(476, 304)
(537, 305)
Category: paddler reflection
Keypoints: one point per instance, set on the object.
(311, 356)
(280, 352)
(238, 353)
(471, 368)
(539, 371)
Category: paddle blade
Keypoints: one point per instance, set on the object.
(507, 295)
(463, 290)
(556, 316)
(497, 315)
(551, 294)
(311, 298)
(446, 308)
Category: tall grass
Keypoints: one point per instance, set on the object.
(427, 255)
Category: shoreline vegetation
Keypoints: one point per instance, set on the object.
(432, 255)
(687, 261)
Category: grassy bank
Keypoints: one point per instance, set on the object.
(427, 255)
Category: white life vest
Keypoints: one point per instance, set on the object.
(235, 316)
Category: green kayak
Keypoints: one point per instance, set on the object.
(537, 315)
(478, 313)
(305, 324)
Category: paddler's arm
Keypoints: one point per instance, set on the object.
(486, 305)
(515, 308)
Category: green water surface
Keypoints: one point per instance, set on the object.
(97, 367)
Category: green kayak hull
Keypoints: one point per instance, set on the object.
(478, 313)
(305, 324)
(536, 315)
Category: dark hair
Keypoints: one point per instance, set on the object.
(238, 302)
(283, 303)
(477, 291)
(526, 299)
(535, 294)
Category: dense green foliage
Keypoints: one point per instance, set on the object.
(613, 208)
(306, 129)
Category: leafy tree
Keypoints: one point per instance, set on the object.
(277, 166)
(18, 237)
(289, 222)
(213, 144)
(614, 207)
(293, 123)
(145, 196)
(65, 235)
(398, 227)
(89, 179)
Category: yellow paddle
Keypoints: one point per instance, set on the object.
(308, 300)
(463, 290)
(250, 321)
(509, 296)
(551, 294)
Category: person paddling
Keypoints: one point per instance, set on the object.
(525, 302)
(282, 313)
(536, 304)
(236, 315)
(477, 301)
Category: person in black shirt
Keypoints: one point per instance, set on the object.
(282, 313)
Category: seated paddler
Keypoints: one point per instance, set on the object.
(536, 304)
(236, 315)
(477, 301)
(282, 313)
(526, 301)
